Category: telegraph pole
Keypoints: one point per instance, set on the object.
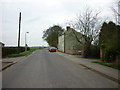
(64, 42)
(19, 30)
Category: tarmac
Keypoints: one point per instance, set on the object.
(108, 72)
(6, 62)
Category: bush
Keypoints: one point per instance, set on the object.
(109, 41)
(12, 50)
(94, 52)
(29, 51)
(110, 54)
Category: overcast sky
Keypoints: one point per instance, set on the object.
(38, 15)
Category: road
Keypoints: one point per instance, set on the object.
(44, 69)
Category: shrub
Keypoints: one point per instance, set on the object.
(110, 54)
(12, 50)
(94, 52)
(109, 41)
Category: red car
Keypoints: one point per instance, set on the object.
(52, 49)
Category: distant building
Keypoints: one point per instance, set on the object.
(68, 43)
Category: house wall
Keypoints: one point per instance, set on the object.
(72, 46)
(1, 45)
(61, 43)
(0, 53)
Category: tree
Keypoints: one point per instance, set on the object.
(51, 35)
(88, 24)
(116, 11)
(109, 41)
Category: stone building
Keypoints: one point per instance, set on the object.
(61, 43)
(1, 45)
(68, 42)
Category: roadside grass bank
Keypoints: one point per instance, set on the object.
(90, 57)
(109, 64)
(32, 49)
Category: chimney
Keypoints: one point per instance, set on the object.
(68, 28)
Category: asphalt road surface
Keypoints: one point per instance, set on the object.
(44, 69)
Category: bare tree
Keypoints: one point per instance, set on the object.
(88, 24)
(116, 11)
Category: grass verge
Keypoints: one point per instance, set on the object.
(112, 65)
(90, 58)
(24, 53)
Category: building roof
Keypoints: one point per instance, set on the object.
(2, 43)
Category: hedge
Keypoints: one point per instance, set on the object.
(12, 50)
(94, 51)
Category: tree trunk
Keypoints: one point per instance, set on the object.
(85, 51)
(102, 54)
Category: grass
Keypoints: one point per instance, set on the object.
(90, 58)
(24, 53)
(112, 65)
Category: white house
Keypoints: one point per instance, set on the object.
(68, 43)
(2, 44)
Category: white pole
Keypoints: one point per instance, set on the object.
(26, 41)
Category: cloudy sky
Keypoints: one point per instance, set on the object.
(38, 15)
